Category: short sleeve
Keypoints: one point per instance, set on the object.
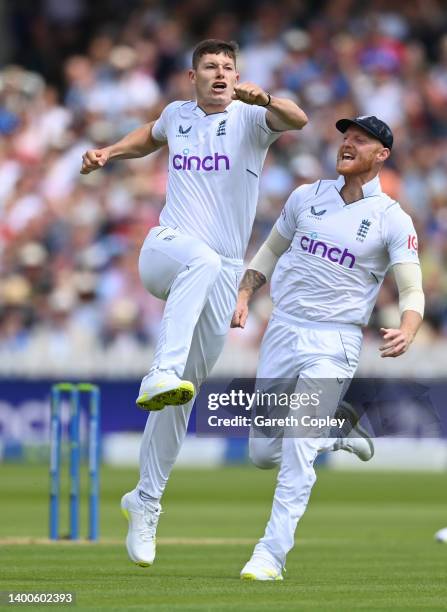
(263, 135)
(286, 223)
(400, 236)
(160, 129)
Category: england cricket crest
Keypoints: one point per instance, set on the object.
(363, 230)
(221, 128)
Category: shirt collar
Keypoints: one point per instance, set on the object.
(201, 113)
(371, 188)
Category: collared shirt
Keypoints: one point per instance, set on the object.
(214, 166)
(340, 252)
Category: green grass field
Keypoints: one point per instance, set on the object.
(365, 543)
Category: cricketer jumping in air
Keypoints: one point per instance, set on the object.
(193, 259)
(329, 252)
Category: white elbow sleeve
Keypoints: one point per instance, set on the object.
(271, 250)
(409, 284)
(264, 261)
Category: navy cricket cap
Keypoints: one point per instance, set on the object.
(377, 128)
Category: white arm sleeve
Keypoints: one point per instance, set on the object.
(271, 250)
(409, 284)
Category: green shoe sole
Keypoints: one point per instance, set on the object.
(174, 397)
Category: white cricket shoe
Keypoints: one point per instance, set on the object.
(143, 520)
(161, 389)
(441, 535)
(260, 568)
(357, 442)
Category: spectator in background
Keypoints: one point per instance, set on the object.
(102, 76)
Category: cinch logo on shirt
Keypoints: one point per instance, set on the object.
(207, 163)
(321, 249)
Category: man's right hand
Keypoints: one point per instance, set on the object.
(240, 313)
(94, 159)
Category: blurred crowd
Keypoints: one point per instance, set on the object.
(76, 78)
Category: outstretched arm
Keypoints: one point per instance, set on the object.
(137, 143)
(411, 305)
(282, 114)
(260, 270)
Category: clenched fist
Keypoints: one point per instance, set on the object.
(94, 159)
(251, 94)
(240, 312)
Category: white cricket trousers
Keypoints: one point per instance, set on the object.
(200, 289)
(320, 356)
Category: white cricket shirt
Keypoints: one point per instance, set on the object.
(340, 252)
(214, 166)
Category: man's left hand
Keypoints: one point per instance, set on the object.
(250, 94)
(397, 342)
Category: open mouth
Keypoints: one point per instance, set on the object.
(219, 86)
(347, 157)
